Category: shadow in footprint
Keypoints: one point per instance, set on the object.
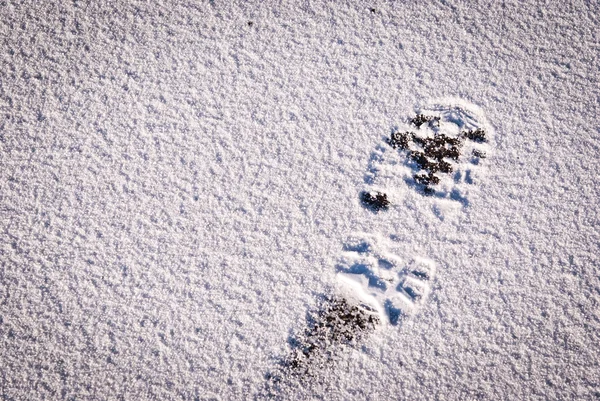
(394, 314)
(361, 247)
(366, 271)
(455, 195)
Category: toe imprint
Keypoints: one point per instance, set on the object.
(382, 280)
(437, 153)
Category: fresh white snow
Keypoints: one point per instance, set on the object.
(180, 184)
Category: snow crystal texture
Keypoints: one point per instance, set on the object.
(180, 182)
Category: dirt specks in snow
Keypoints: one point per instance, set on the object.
(433, 154)
(336, 323)
(375, 201)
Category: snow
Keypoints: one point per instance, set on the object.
(179, 187)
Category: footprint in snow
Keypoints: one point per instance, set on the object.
(439, 153)
(437, 156)
(381, 282)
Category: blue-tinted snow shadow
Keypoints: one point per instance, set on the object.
(365, 270)
(394, 314)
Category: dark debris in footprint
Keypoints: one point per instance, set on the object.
(440, 146)
(375, 201)
(400, 140)
(336, 323)
(421, 119)
(431, 158)
(477, 135)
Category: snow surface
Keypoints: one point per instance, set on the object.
(180, 179)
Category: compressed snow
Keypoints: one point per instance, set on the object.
(180, 182)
